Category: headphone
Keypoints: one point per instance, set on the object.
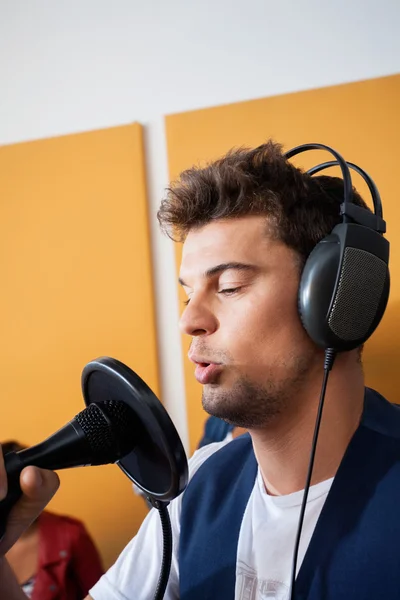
(344, 286)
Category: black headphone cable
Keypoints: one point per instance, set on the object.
(330, 356)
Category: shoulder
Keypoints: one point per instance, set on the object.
(381, 415)
(202, 454)
(62, 525)
(215, 467)
(218, 451)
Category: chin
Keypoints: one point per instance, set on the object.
(245, 404)
(211, 401)
(218, 404)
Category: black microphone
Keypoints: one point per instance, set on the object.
(124, 423)
(102, 433)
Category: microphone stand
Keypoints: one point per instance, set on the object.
(167, 546)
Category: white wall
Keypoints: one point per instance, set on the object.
(76, 65)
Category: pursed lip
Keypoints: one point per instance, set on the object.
(206, 371)
(201, 360)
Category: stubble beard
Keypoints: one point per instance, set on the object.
(252, 405)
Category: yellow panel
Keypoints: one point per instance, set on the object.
(360, 120)
(76, 284)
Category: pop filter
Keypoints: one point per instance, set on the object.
(157, 464)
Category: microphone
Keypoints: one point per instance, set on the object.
(124, 422)
(98, 435)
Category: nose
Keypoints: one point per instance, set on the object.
(197, 319)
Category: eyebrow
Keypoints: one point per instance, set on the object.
(218, 269)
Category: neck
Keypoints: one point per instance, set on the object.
(283, 447)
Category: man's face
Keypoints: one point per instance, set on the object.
(250, 350)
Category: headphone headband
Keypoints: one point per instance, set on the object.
(348, 186)
(352, 210)
(349, 210)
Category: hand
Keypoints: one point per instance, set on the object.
(38, 487)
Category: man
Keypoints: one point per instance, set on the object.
(248, 222)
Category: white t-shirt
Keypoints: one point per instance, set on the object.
(265, 547)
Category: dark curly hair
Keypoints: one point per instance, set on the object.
(301, 210)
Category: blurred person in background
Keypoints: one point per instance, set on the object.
(217, 430)
(55, 558)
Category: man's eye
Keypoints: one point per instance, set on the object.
(186, 302)
(229, 291)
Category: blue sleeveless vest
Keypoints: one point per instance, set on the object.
(354, 553)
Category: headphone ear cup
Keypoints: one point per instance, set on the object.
(344, 287)
(317, 286)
